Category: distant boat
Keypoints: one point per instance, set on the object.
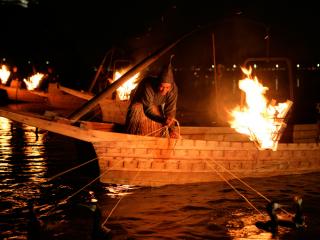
(62, 100)
(112, 110)
(15, 93)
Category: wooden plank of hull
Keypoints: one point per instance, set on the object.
(114, 110)
(83, 95)
(164, 161)
(24, 95)
(63, 127)
(60, 99)
(151, 161)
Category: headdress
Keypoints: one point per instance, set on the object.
(166, 75)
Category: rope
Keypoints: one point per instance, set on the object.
(178, 125)
(62, 173)
(72, 195)
(246, 199)
(116, 205)
(69, 170)
(244, 183)
(166, 129)
(75, 193)
(158, 130)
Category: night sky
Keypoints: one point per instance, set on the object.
(74, 35)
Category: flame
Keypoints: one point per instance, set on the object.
(4, 74)
(125, 89)
(260, 120)
(33, 81)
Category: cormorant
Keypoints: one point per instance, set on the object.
(272, 224)
(298, 219)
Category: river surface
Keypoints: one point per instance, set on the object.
(30, 165)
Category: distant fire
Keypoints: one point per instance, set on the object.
(33, 81)
(4, 74)
(125, 89)
(263, 122)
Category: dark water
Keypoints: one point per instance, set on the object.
(197, 211)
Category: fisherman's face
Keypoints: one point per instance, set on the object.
(164, 88)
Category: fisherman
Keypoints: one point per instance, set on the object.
(15, 77)
(153, 106)
(50, 77)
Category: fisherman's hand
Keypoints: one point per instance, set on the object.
(169, 121)
(174, 134)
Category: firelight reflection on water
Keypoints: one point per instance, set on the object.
(29, 161)
(191, 211)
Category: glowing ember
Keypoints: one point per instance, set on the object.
(260, 120)
(125, 89)
(33, 81)
(4, 74)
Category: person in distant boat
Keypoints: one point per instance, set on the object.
(153, 106)
(15, 77)
(50, 77)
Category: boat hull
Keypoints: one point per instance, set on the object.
(158, 161)
(14, 93)
(151, 161)
(62, 100)
(114, 111)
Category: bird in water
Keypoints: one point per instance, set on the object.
(98, 230)
(295, 222)
(299, 218)
(272, 224)
(34, 225)
(272, 212)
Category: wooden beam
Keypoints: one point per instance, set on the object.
(79, 94)
(125, 77)
(63, 127)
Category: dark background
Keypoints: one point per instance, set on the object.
(74, 36)
(77, 34)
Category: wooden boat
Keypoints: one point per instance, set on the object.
(204, 154)
(15, 93)
(58, 98)
(112, 110)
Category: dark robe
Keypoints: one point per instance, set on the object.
(149, 110)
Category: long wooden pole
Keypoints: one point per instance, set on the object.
(99, 71)
(88, 106)
(215, 75)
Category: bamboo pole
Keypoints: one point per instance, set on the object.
(215, 75)
(99, 70)
(75, 116)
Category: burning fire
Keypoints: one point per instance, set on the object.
(125, 89)
(263, 122)
(33, 81)
(4, 74)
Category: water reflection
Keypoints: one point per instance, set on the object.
(243, 226)
(23, 152)
(195, 211)
(5, 138)
(119, 190)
